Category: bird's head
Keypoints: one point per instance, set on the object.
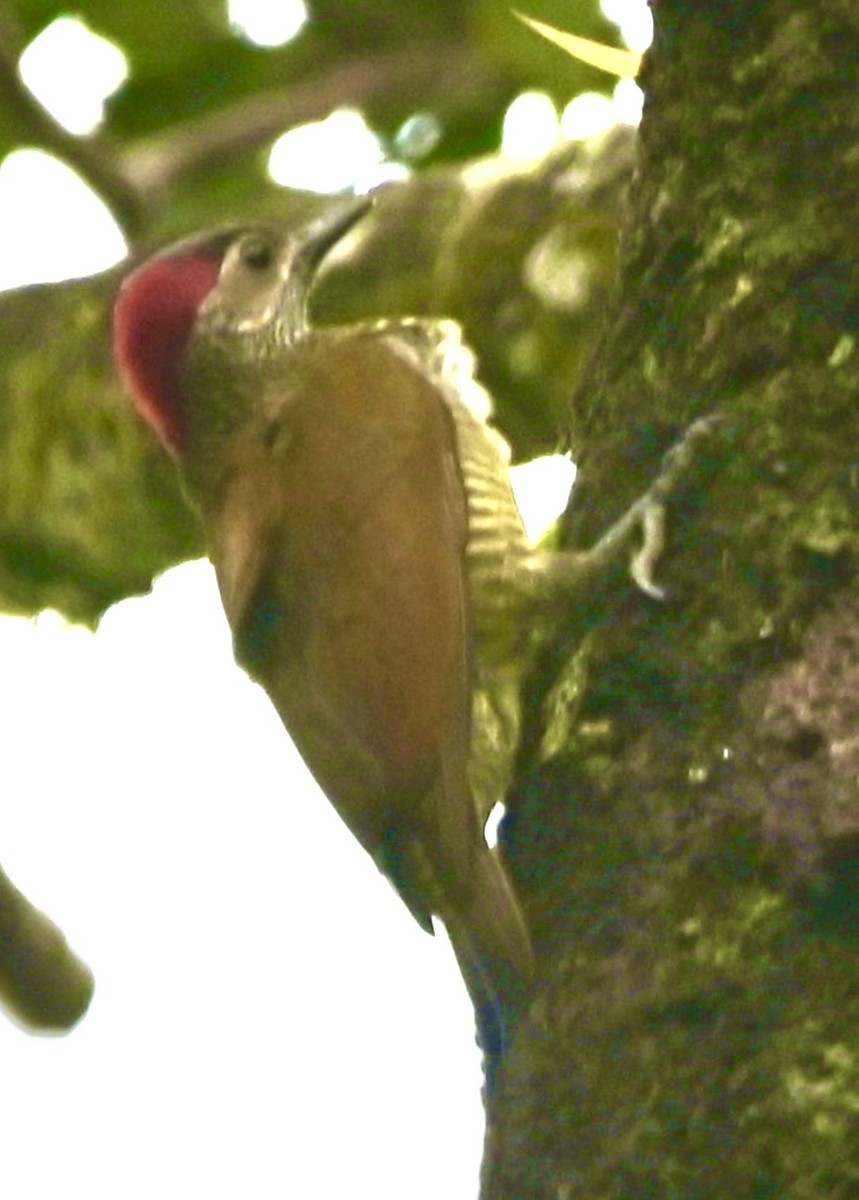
(245, 286)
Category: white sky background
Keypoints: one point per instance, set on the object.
(268, 1020)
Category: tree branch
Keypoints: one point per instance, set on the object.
(94, 160)
(41, 981)
(448, 75)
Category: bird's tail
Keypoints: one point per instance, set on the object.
(493, 949)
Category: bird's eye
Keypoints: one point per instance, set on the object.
(257, 253)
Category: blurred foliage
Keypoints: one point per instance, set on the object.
(523, 255)
(186, 61)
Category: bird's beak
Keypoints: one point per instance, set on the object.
(304, 254)
(324, 233)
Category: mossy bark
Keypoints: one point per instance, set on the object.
(689, 851)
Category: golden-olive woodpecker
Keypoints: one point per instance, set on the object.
(337, 480)
(369, 552)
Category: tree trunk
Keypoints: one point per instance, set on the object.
(685, 827)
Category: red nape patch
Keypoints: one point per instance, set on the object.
(152, 321)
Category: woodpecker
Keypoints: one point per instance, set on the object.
(371, 559)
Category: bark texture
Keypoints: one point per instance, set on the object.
(685, 825)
